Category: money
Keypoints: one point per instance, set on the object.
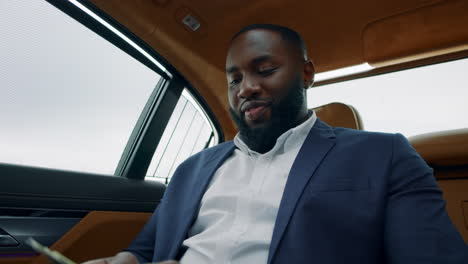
(53, 255)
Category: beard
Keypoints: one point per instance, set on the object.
(284, 116)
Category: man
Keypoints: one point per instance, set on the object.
(290, 188)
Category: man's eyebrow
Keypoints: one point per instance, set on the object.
(261, 59)
(255, 61)
(232, 69)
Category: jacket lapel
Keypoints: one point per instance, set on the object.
(317, 144)
(207, 171)
(190, 212)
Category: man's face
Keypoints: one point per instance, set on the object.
(266, 86)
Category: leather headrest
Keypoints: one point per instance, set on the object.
(444, 148)
(339, 115)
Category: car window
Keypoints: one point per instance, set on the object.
(188, 131)
(69, 98)
(411, 102)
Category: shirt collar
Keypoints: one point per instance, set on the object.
(285, 142)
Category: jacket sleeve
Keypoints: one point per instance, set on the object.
(417, 226)
(143, 245)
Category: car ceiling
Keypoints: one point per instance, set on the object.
(388, 34)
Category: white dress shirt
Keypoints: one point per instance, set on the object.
(238, 210)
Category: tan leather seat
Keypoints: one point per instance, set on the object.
(444, 148)
(339, 115)
(447, 153)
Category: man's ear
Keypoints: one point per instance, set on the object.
(309, 74)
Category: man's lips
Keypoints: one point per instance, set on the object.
(248, 105)
(254, 110)
(255, 113)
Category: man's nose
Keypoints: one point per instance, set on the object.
(250, 88)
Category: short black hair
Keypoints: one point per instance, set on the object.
(287, 34)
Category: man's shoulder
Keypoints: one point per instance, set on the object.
(342, 132)
(210, 153)
(361, 138)
(188, 173)
(354, 133)
(378, 141)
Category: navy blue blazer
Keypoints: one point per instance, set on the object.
(351, 197)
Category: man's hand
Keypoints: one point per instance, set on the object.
(121, 258)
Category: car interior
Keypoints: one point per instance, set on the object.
(91, 214)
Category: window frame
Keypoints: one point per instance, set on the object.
(150, 126)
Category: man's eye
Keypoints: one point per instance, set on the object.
(234, 82)
(267, 71)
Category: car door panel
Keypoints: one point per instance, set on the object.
(83, 215)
